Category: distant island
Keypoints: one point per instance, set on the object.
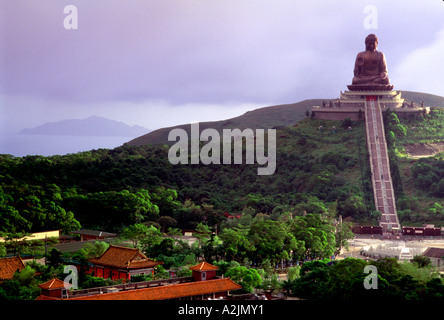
(93, 126)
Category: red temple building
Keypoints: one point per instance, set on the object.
(55, 288)
(121, 263)
(202, 285)
(203, 271)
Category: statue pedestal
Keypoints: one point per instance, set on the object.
(370, 87)
(351, 104)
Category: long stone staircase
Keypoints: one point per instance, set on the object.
(379, 164)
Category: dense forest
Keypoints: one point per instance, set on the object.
(111, 189)
(246, 224)
(318, 171)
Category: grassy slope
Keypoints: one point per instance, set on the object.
(269, 117)
(428, 130)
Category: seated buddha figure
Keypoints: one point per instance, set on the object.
(370, 65)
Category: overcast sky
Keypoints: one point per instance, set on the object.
(159, 63)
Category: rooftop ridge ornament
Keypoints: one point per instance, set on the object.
(370, 70)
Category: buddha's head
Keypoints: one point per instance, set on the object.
(371, 42)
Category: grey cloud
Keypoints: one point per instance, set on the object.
(200, 51)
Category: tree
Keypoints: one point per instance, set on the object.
(10, 218)
(31, 208)
(358, 292)
(236, 243)
(436, 209)
(92, 250)
(203, 233)
(341, 276)
(25, 276)
(14, 290)
(343, 234)
(311, 205)
(151, 238)
(312, 283)
(421, 261)
(353, 206)
(165, 248)
(434, 290)
(166, 200)
(3, 250)
(271, 240)
(248, 278)
(112, 210)
(88, 281)
(438, 188)
(396, 125)
(167, 222)
(54, 258)
(223, 266)
(174, 232)
(314, 235)
(189, 215)
(161, 273)
(388, 268)
(293, 272)
(135, 233)
(212, 248)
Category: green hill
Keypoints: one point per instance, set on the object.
(429, 99)
(269, 117)
(263, 118)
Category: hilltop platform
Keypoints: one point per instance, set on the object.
(351, 104)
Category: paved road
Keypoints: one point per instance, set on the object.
(379, 162)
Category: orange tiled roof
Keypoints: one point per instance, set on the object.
(8, 266)
(123, 257)
(168, 292)
(54, 284)
(203, 266)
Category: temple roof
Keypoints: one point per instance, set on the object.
(8, 266)
(204, 266)
(54, 284)
(124, 258)
(168, 292)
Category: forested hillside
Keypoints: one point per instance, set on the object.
(421, 193)
(317, 172)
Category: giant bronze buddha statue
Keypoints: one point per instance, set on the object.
(370, 72)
